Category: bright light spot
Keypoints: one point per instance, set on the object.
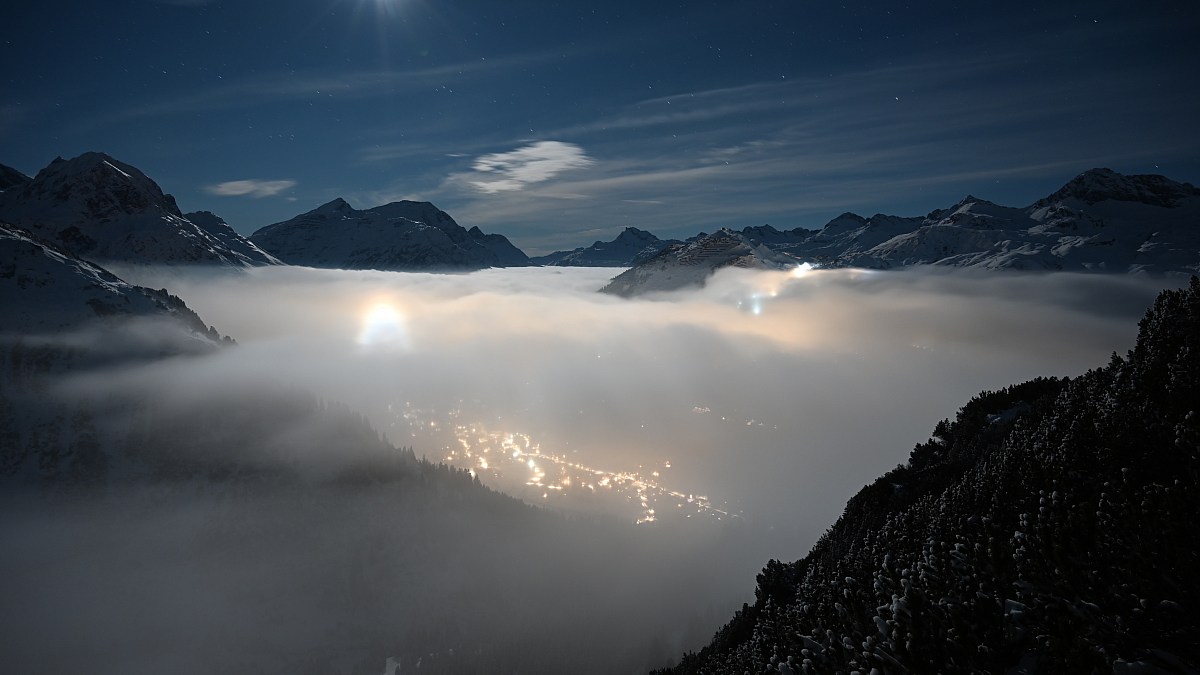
(801, 270)
(383, 326)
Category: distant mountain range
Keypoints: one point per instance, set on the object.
(402, 235)
(630, 247)
(1101, 221)
(681, 264)
(101, 209)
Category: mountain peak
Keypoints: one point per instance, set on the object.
(690, 264)
(103, 186)
(400, 235)
(632, 235)
(99, 207)
(1101, 184)
(338, 205)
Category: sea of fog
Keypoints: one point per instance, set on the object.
(769, 397)
(685, 438)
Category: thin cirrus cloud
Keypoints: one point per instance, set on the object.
(534, 163)
(250, 188)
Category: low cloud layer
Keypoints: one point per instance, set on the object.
(775, 395)
(250, 188)
(771, 396)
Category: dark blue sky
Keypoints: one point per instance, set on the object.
(558, 123)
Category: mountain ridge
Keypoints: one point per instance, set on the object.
(1100, 221)
(681, 265)
(47, 289)
(628, 248)
(398, 236)
(105, 210)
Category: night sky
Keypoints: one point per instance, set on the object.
(559, 123)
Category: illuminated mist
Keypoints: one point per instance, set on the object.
(775, 394)
(689, 437)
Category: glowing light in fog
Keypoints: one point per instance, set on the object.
(801, 270)
(383, 326)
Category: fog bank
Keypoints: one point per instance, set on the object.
(730, 423)
(772, 394)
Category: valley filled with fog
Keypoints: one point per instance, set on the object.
(677, 442)
(775, 395)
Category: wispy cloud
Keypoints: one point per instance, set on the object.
(534, 163)
(250, 188)
(249, 91)
(900, 139)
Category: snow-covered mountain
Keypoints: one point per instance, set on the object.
(780, 240)
(629, 248)
(1101, 221)
(45, 290)
(402, 235)
(104, 210)
(681, 265)
(216, 226)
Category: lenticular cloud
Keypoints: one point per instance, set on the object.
(534, 163)
(251, 188)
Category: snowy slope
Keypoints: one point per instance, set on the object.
(216, 226)
(64, 316)
(401, 235)
(689, 265)
(104, 210)
(628, 248)
(45, 290)
(1100, 221)
(850, 233)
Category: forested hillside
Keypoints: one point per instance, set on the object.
(1050, 527)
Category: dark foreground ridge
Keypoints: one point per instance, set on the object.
(1050, 528)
